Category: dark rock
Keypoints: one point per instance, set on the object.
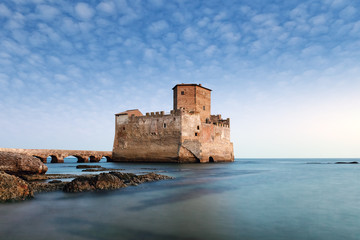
(354, 162)
(94, 170)
(47, 187)
(34, 177)
(88, 166)
(103, 181)
(13, 188)
(153, 177)
(101, 169)
(21, 164)
(133, 179)
(55, 181)
(110, 181)
(127, 178)
(57, 176)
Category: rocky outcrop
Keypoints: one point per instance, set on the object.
(354, 162)
(13, 188)
(110, 181)
(21, 164)
(47, 187)
(88, 166)
(103, 181)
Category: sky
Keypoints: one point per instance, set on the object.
(287, 73)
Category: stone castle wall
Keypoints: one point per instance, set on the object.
(176, 137)
(154, 137)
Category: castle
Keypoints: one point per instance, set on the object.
(188, 134)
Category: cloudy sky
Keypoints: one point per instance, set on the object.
(287, 73)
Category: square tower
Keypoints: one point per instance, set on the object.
(193, 97)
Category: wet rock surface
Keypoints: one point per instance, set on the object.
(101, 169)
(39, 187)
(88, 166)
(103, 181)
(13, 188)
(354, 162)
(110, 181)
(21, 164)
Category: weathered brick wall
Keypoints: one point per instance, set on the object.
(193, 98)
(147, 138)
(215, 143)
(203, 103)
(183, 138)
(184, 97)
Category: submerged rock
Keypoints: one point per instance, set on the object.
(47, 187)
(34, 177)
(88, 166)
(13, 188)
(110, 181)
(21, 164)
(354, 162)
(103, 181)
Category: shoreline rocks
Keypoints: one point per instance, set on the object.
(39, 187)
(110, 181)
(21, 164)
(88, 166)
(13, 188)
(354, 162)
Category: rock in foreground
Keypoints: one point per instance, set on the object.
(110, 181)
(13, 188)
(21, 164)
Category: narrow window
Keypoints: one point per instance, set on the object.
(182, 93)
(123, 128)
(196, 134)
(164, 125)
(203, 107)
(198, 127)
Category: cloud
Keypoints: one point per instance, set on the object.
(84, 11)
(348, 12)
(4, 11)
(159, 26)
(157, 3)
(190, 34)
(106, 7)
(47, 12)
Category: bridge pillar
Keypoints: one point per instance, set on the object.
(82, 159)
(95, 159)
(56, 159)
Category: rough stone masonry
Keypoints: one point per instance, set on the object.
(189, 134)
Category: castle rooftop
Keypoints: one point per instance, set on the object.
(191, 84)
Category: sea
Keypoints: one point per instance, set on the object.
(248, 199)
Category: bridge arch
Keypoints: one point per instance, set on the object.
(56, 159)
(42, 158)
(107, 158)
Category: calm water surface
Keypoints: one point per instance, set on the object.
(247, 199)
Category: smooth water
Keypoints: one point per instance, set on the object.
(247, 199)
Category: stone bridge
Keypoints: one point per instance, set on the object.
(57, 156)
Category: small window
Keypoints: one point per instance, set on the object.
(203, 107)
(198, 127)
(196, 134)
(182, 93)
(164, 125)
(123, 128)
